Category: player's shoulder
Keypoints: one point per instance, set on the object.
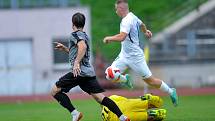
(129, 18)
(79, 35)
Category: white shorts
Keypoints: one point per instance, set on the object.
(138, 65)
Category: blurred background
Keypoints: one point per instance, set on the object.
(181, 52)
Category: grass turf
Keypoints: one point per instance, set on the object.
(191, 108)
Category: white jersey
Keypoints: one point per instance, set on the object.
(130, 47)
(131, 55)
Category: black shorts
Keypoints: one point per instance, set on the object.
(87, 84)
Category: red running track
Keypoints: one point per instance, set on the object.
(126, 93)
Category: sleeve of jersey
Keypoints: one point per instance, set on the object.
(77, 37)
(139, 21)
(125, 26)
(80, 38)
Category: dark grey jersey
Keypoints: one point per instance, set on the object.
(86, 67)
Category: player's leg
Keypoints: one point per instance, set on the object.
(150, 115)
(58, 91)
(153, 101)
(142, 68)
(92, 87)
(121, 64)
(110, 104)
(138, 116)
(139, 111)
(155, 82)
(135, 105)
(135, 109)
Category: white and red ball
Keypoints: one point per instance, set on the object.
(112, 73)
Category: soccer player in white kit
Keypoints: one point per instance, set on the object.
(131, 54)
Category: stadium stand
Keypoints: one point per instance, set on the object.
(189, 39)
(15, 4)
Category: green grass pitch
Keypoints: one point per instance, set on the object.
(191, 108)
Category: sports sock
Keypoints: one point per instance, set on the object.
(64, 100)
(164, 87)
(111, 105)
(122, 118)
(75, 112)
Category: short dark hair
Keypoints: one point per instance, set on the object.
(121, 1)
(78, 20)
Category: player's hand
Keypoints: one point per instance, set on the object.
(106, 40)
(148, 34)
(76, 69)
(59, 46)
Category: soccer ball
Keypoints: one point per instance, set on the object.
(112, 73)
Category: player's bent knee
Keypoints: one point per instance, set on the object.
(98, 97)
(55, 90)
(153, 82)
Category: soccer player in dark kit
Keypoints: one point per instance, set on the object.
(82, 72)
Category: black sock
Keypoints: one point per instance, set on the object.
(64, 100)
(111, 105)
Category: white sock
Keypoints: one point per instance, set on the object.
(122, 118)
(164, 87)
(75, 112)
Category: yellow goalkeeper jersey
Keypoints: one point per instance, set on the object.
(135, 109)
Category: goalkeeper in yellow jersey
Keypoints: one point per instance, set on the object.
(145, 108)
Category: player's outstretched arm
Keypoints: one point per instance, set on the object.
(117, 38)
(61, 47)
(147, 32)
